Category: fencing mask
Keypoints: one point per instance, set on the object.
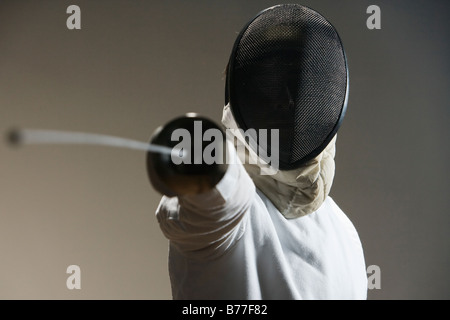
(288, 71)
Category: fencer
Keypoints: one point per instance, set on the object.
(252, 229)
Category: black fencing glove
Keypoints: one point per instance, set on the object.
(198, 159)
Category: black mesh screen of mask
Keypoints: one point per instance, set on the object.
(288, 71)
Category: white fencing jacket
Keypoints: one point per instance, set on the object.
(255, 237)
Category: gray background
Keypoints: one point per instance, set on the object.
(135, 65)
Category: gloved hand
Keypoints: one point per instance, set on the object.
(199, 169)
